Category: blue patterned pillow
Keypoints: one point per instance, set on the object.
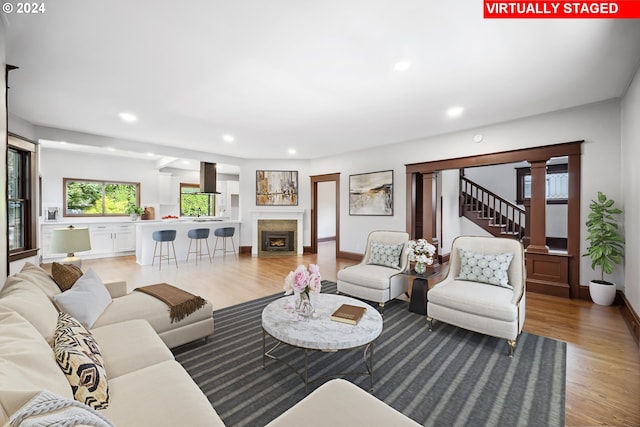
(385, 254)
(485, 268)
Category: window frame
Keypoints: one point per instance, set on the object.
(28, 181)
(103, 182)
(212, 199)
(526, 171)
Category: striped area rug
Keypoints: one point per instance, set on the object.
(448, 377)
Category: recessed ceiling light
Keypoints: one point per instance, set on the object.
(478, 138)
(292, 151)
(455, 111)
(185, 162)
(228, 138)
(402, 65)
(63, 143)
(128, 117)
(150, 154)
(111, 149)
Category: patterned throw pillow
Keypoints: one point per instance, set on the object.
(385, 254)
(485, 268)
(79, 357)
(65, 275)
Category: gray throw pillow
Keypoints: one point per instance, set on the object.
(385, 254)
(485, 268)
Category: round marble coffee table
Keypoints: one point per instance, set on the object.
(319, 332)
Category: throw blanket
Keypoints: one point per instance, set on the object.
(49, 409)
(181, 303)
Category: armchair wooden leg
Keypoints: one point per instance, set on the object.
(381, 305)
(430, 323)
(512, 347)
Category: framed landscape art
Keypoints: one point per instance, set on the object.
(371, 193)
(276, 188)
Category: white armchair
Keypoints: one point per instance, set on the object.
(378, 276)
(489, 309)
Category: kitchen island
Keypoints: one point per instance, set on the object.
(145, 243)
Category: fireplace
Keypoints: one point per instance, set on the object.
(277, 241)
(276, 238)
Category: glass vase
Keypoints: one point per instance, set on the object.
(420, 267)
(304, 307)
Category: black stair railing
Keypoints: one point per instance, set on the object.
(489, 205)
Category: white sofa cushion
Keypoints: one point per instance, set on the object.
(86, 300)
(130, 345)
(339, 403)
(31, 303)
(38, 277)
(27, 365)
(368, 275)
(159, 395)
(138, 305)
(475, 298)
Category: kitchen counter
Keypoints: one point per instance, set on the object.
(145, 243)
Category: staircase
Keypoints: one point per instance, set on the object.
(496, 215)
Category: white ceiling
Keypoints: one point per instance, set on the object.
(314, 76)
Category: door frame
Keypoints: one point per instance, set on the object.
(315, 179)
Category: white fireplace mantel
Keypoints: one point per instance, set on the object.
(290, 214)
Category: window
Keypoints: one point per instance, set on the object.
(21, 190)
(85, 197)
(194, 203)
(557, 184)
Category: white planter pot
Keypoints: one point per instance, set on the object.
(602, 294)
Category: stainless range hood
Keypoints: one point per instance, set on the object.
(208, 178)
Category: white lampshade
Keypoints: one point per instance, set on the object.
(70, 240)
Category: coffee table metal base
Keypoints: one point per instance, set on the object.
(304, 375)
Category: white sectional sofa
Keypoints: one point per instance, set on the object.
(147, 386)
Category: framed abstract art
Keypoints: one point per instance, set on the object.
(371, 193)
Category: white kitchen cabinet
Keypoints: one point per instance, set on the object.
(112, 238)
(101, 237)
(167, 192)
(124, 237)
(107, 239)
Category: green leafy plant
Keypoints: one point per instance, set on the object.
(606, 247)
(134, 210)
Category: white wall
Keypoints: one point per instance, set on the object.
(631, 190)
(326, 209)
(4, 256)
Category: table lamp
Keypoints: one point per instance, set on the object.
(69, 240)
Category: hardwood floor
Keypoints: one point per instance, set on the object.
(603, 361)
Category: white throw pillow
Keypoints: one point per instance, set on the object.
(492, 269)
(385, 254)
(86, 300)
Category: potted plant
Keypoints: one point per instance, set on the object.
(134, 211)
(606, 247)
